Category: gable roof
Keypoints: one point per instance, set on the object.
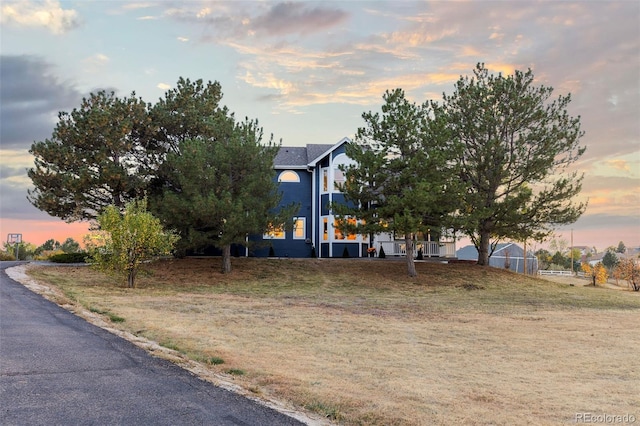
(291, 157)
(470, 253)
(319, 154)
(299, 157)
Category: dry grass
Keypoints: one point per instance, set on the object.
(360, 343)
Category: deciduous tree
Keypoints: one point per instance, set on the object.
(629, 269)
(597, 273)
(126, 240)
(96, 157)
(517, 147)
(402, 180)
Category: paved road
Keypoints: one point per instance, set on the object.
(57, 369)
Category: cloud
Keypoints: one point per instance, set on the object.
(48, 14)
(299, 18)
(163, 86)
(619, 165)
(30, 98)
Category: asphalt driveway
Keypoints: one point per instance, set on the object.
(57, 369)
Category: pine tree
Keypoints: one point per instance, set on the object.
(96, 157)
(516, 147)
(223, 187)
(403, 178)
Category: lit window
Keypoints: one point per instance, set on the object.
(299, 232)
(274, 232)
(325, 229)
(288, 176)
(351, 236)
(339, 235)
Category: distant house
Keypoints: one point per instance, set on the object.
(505, 256)
(310, 176)
(584, 250)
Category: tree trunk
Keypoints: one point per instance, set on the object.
(411, 265)
(226, 259)
(483, 249)
(131, 278)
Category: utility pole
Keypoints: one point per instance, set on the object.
(571, 251)
(524, 271)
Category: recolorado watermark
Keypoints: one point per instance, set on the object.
(603, 418)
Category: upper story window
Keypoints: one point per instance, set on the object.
(339, 175)
(325, 180)
(288, 176)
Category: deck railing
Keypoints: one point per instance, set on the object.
(429, 248)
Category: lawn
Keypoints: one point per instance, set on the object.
(356, 341)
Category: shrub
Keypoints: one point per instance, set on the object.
(6, 256)
(47, 254)
(68, 258)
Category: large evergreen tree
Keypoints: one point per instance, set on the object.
(402, 181)
(222, 186)
(517, 147)
(96, 157)
(185, 113)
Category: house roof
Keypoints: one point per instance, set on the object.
(319, 153)
(291, 156)
(470, 253)
(298, 157)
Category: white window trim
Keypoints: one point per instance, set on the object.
(304, 228)
(289, 171)
(274, 237)
(325, 171)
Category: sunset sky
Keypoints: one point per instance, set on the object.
(308, 70)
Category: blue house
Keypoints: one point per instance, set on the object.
(310, 176)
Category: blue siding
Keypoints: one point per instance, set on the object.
(298, 193)
(324, 204)
(340, 150)
(352, 249)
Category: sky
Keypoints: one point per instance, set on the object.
(308, 70)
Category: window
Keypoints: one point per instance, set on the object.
(325, 229)
(339, 235)
(338, 178)
(338, 175)
(352, 236)
(274, 233)
(288, 176)
(325, 180)
(299, 228)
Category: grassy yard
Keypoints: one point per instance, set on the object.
(360, 343)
